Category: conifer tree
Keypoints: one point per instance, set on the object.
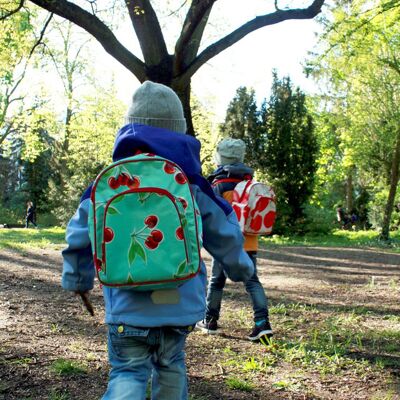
(291, 147)
(242, 122)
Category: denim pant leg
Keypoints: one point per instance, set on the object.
(215, 290)
(136, 353)
(169, 374)
(130, 358)
(256, 292)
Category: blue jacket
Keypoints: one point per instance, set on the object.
(221, 238)
(237, 171)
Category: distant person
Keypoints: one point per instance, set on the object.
(230, 171)
(30, 215)
(342, 217)
(147, 330)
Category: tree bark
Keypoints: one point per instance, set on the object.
(349, 190)
(394, 180)
(183, 91)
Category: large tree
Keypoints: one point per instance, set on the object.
(177, 69)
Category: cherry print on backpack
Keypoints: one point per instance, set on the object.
(144, 228)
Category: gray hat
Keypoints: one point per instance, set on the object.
(230, 151)
(156, 105)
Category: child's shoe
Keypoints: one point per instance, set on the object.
(262, 330)
(209, 326)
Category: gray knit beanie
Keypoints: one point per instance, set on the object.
(230, 151)
(156, 105)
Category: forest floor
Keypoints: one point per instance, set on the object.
(335, 313)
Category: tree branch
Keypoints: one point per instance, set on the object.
(251, 26)
(198, 9)
(9, 13)
(41, 36)
(5, 134)
(93, 25)
(148, 31)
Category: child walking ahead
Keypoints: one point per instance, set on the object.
(231, 170)
(148, 329)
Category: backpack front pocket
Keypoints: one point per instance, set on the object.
(150, 247)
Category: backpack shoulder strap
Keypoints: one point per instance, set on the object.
(225, 180)
(248, 183)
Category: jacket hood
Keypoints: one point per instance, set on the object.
(237, 170)
(182, 149)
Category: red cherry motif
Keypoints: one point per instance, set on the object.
(133, 183)
(180, 178)
(151, 221)
(179, 233)
(169, 168)
(183, 201)
(269, 219)
(123, 179)
(150, 243)
(150, 154)
(256, 223)
(108, 235)
(157, 235)
(113, 183)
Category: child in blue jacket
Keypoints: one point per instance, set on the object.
(148, 330)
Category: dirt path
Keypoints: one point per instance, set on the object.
(40, 325)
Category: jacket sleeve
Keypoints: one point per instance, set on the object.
(222, 238)
(78, 269)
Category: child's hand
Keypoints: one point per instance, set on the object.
(85, 298)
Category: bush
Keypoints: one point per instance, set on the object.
(11, 217)
(319, 220)
(47, 220)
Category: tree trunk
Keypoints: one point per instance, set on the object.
(183, 91)
(394, 180)
(349, 190)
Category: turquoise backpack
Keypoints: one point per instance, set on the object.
(144, 225)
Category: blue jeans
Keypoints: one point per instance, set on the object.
(253, 288)
(139, 354)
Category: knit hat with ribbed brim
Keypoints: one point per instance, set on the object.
(230, 151)
(156, 105)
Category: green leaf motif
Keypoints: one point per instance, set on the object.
(136, 249)
(131, 252)
(141, 252)
(108, 173)
(130, 279)
(118, 199)
(181, 269)
(112, 211)
(144, 196)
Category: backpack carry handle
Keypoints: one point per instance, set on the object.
(249, 182)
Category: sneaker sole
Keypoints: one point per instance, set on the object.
(208, 331)
(262, 333)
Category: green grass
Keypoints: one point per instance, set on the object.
(68, 367)
(58, 395)
(338, 238)
(21, 239)
(239, 384)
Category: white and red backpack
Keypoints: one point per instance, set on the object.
(255, 207)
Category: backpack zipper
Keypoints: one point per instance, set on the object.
(164, 192)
